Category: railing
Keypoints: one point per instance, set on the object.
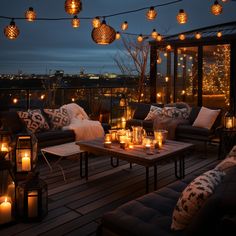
(110, 100)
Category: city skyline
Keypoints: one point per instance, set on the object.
(44, 46)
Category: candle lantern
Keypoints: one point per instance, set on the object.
(25, 157)
(7, 193)
(229, 120)
(32, 198)
(5, 145)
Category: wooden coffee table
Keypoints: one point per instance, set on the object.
(171, 150)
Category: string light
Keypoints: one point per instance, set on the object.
(159, 38)
(151, 13)
(159, 60)
(104, 34)
(182, 17)
(182, 37)
(219, 34)
(73, 7)
(124, 25)
(11, 31)
(168, 47)
(30, 14)
(75, 22)
(140, 38)
(154, 34)
(96, 22)
(224, 1)
(117, 35)
(198, 35)
(216, 8)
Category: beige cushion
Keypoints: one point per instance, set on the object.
(153, 113)
(206, 118)
(193, 197)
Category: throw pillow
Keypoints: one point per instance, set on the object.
(193, 197)
(34, 120)
(206, 118)
(58, 117)
(74, 110)
(174, 112)
(153, 113)
(227, 163)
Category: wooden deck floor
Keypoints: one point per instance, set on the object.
(75, 207)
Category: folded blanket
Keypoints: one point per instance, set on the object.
(169, 124)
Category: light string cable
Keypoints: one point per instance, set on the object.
(90, 18)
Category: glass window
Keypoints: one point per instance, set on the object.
(216, 75)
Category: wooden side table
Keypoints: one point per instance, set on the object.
(227, 141)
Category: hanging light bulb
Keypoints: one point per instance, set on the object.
(159, 38)
(168, 47)
(140, 38)
(73, 7)
(75, 22)
(151, 14)
(224, 1)
(30, 14)
(182, 37)
(124, 25)
(219, 34)
(96, 22)
(117, 35)
(216, 8)
(198, 35)
(11, 31)
(104, 34)
(154, 34)
(182, 17)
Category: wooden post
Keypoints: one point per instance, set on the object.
(153, 73)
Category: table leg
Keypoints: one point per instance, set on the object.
(180, 167)
(112, 163)
(147, 179)
(85, 157)
(130, 165)
(155, 177)
(81, 165)
(45, 158)
(86, 165)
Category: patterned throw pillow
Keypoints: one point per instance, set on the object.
(175, 112)
(34, 120)
(153, 113)
(227, 163)
(193, 197)
(58, 117)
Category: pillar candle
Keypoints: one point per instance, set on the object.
(26, 163)
(33, 204)
(5, 212)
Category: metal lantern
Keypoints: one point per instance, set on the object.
(25, 157)
(216, 8)
(151, 14)
(182, 17)
(5, 145)
(7, 193)
(11, 31)
(75, 22)
(30, 15)
(73, 7)
(32, 198)
(96, 22)
(229, 120)
(124, 26)
(104, 34)
(154, 34)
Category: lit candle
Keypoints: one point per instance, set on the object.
(131, 146)
(33, 204)
(229, 123)
(107, 144)
(4, 147)
(160, 143)
(123, 144)
(5, 212)
(108, 138)
(26, 163)
(123, 122)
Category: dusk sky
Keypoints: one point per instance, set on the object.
(44, 46)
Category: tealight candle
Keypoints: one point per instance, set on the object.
(131, 146)
(107, 144)
(123, 144)
(5, 211)
(26, 163)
